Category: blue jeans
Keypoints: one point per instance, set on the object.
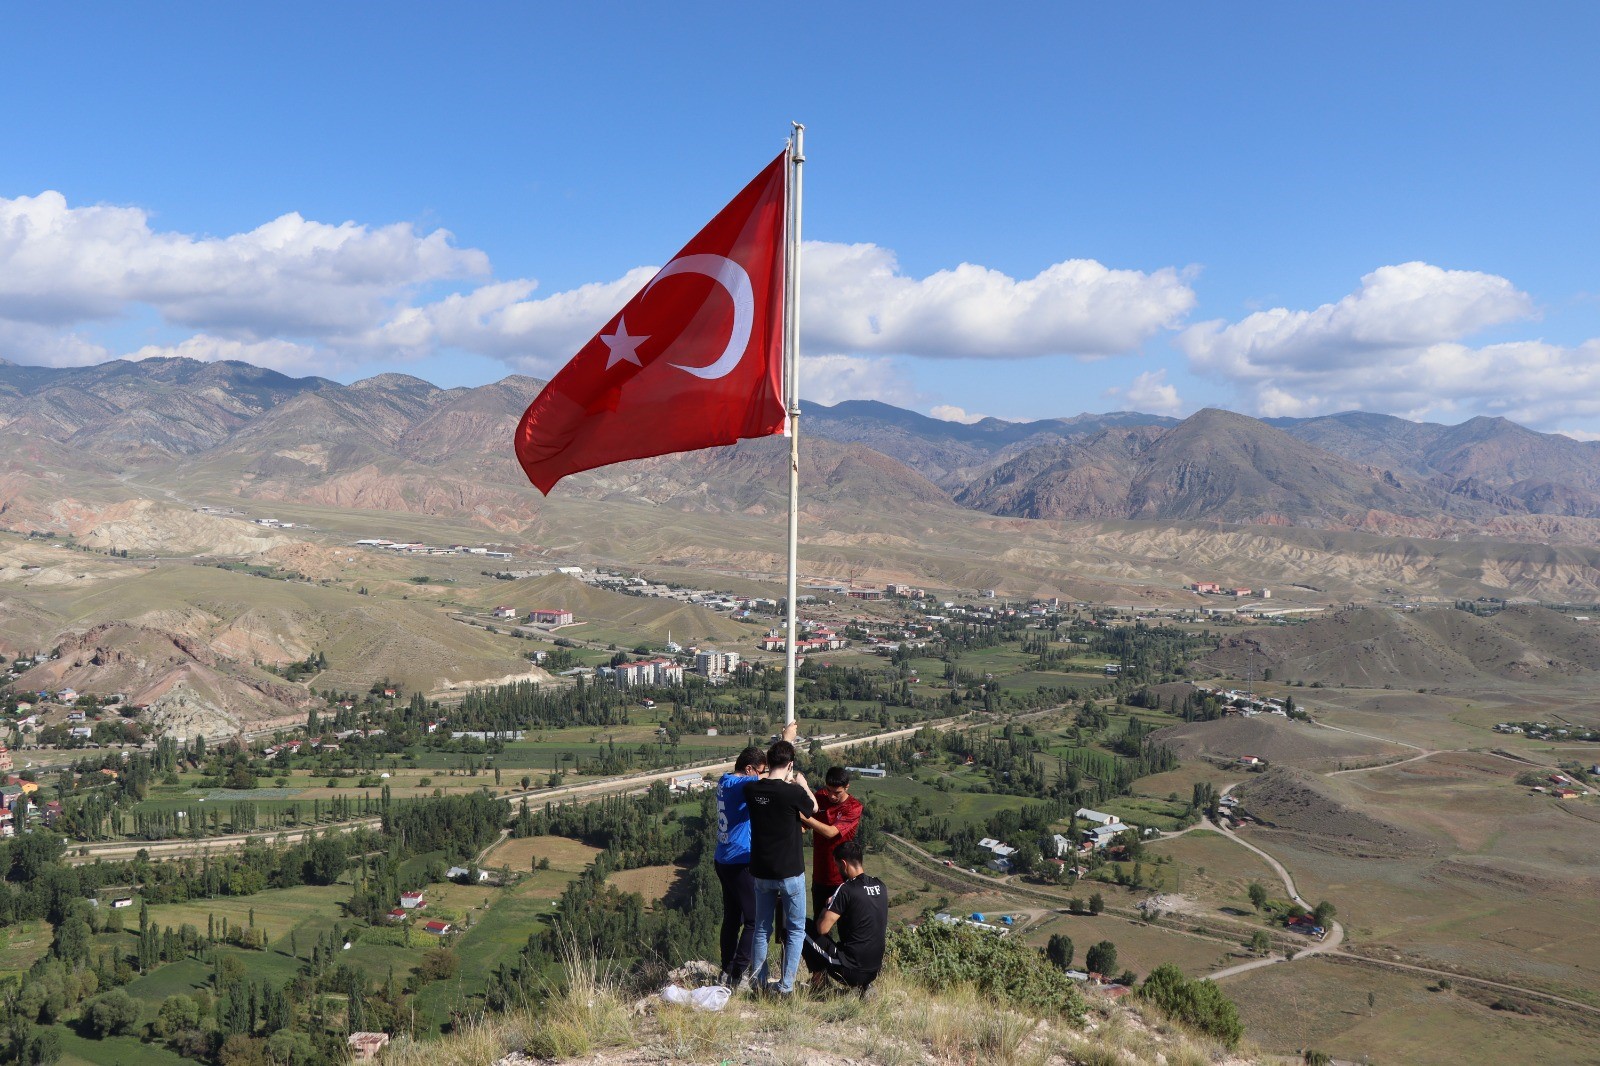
(793, 892)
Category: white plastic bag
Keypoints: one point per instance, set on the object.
(711, 997)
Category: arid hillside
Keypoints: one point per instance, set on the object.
(185, 685)
(1378, 647)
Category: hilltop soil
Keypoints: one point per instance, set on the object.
(1324, 815)
(1277, 740)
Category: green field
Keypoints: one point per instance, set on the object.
(22, 945)
(114, 1051)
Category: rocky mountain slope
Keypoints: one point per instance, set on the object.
(188, 688)
(1489, 459)
(395, 442)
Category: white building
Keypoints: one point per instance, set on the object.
(712, 664)
(659, 672)
(1098, 817)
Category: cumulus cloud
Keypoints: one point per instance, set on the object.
(830, 379)
(48, 346)
(61, 265)
(1397, 344)
(1579, 434)
(1151, 394)
(505, 320)
(854, 297)
(951, 413)
(302, 295)
(285, 356)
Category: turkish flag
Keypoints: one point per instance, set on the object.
(693, 361)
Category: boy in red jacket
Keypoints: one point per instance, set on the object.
(837, 819)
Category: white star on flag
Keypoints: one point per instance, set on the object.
(623, 347)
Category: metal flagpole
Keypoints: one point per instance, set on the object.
(791, 389)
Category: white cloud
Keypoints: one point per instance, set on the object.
(61, 265)
(1579, 434)
(48, 346)
(1396, 345)
(951, 413)
(830, 379)
(283, 356)
(302, 295)
(1151, 394)
(536, 335)
(853, 297)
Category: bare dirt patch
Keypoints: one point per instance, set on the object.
(520, 854)
(1280, 741)
(654, 883)
(1325, 815)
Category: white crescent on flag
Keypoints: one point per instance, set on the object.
(732, 277)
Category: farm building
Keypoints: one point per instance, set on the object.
(364, 1047)
(437, 928)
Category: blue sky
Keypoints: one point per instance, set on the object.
(1283, 209)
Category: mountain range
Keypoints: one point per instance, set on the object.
(395, 442)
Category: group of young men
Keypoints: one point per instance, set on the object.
(764, 808)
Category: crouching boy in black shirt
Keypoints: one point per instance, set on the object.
(857, 916)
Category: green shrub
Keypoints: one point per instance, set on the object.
(1197, 1003)
(1005, 970)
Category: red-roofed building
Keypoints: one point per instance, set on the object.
(436, 928)
(550, 617)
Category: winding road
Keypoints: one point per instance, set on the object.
(1329, 943)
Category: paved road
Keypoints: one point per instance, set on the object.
(167, 849)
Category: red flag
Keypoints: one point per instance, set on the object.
(693, 361)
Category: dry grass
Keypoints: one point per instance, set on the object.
(899, 1025)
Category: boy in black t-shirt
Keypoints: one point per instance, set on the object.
(858, 914)
(777, 861)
